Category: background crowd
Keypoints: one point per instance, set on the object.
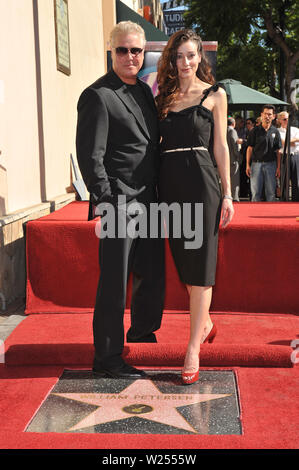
(239, 133)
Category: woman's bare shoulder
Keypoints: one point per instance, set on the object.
(220, 93)
(219, 97)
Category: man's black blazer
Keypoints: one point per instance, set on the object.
(114, 149)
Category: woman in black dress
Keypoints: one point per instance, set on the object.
(193, 125)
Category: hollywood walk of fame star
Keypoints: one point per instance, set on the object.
(146, 402)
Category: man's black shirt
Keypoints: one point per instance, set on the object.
(264, 143)
(150, 118)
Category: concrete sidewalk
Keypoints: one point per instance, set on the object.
(11, 317)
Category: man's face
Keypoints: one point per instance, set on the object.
(283, 120)
(267, 116)
(249, 125)
(127, 64)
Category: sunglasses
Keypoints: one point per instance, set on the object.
(122, 51)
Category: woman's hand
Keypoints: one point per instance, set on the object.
(227, 212)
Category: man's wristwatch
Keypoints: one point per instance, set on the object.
(226, 196)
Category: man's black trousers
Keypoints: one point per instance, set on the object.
(118, 257)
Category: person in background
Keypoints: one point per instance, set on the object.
(282, 120)
(263, 156)
(250, 123)
(240, 129)
(244, 180)
(235, 158)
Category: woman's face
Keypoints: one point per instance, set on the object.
(187, 59)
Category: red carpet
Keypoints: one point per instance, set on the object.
(255, 307)
(243, 340)
(257, 268)
(267, 385)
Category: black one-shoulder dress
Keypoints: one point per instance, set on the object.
(190, 176)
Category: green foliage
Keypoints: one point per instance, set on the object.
(246, 52)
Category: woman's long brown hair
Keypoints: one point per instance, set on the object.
(167, 77)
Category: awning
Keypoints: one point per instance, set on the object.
(241, 96)
(124, 13)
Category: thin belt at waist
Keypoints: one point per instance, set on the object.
(185, 149)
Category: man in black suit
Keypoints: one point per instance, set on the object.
(117, 150)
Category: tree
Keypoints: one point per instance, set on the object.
(271, 27)
(253, 64)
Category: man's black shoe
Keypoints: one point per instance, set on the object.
(151, 338)
(124, 371)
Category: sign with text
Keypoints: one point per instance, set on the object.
(62, 36)
(174, 21)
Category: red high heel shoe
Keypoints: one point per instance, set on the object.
(211, 336)
(189, 378)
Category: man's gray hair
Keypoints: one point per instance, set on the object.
(126, 27)
(282, 114)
